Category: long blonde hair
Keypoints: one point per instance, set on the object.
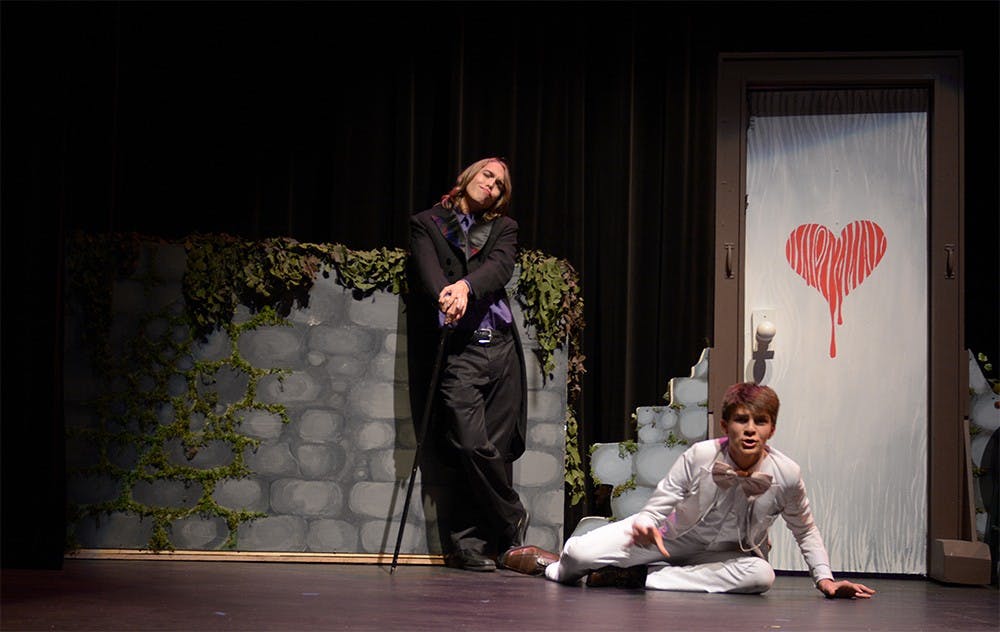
(499, 207)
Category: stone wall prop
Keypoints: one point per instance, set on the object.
(331, 478)
(633, 468)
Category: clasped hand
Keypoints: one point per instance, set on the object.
(453, 300)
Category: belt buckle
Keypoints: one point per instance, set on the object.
(483, 336)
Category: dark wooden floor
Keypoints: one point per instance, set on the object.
(173, 595)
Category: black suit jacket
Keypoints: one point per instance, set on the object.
(440, 254)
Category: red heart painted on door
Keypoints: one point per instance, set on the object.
(835, 265)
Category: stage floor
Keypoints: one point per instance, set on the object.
(175, 595)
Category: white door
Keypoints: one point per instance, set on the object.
(835, 247)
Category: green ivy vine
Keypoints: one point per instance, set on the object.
(156, 410)
(549, 291)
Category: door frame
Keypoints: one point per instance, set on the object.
(941, 72)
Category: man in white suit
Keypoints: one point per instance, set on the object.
(705, 527)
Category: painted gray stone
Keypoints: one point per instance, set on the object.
(261, 424)
(378, 400)
(124, 456)
(375, 434)
(645, 415)
(693, 423)
(345, 366)
(228, 383)
(306, 498)
(406, 434)
(197, 533)
(651, 433)
(533, 372)
(327, 303)
(689, 391)
(609, 466)
(536, 380)
(319, 426)
(547, 508)
(241, 314)
(272, 459)
(382, 500)
(315, 358)
(630, 502)
(380, 537)
(215, 346)
(115, 531)
(653, 461)
(212, 454)
(332, 536)
(176, 386)
(92, 489)
(298, 387)
(167, 493)
(389, 368)
(537, 469)
(667, 419)
(390, 465)
(274, 533)
(545, 538)
(393, 341)
(380, 311)
(185, 363)
(338, 385)
(243, 494)
(547, 435)
(337, 401)
(318, 461)
(179, 333)
(164, 414)
(269, 347)
(341, 341)
(544, 405)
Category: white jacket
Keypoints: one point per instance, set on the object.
(686, 495)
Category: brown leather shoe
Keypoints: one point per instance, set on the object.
(631, 577)
(529, 560)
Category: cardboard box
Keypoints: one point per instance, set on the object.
(960, 562)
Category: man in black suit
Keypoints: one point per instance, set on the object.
(463, 251)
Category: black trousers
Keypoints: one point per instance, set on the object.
(481, 399)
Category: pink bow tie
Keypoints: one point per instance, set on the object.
(753, 484)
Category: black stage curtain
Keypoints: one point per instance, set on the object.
(333, 122)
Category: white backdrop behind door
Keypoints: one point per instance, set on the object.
(836, 234)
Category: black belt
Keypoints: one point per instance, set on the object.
(484, 336)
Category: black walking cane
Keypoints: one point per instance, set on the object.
(445, 331)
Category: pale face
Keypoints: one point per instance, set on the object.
(748, 435)
(485, 187)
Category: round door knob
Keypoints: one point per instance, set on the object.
(765, 332)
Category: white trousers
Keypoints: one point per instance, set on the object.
(688, 568)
